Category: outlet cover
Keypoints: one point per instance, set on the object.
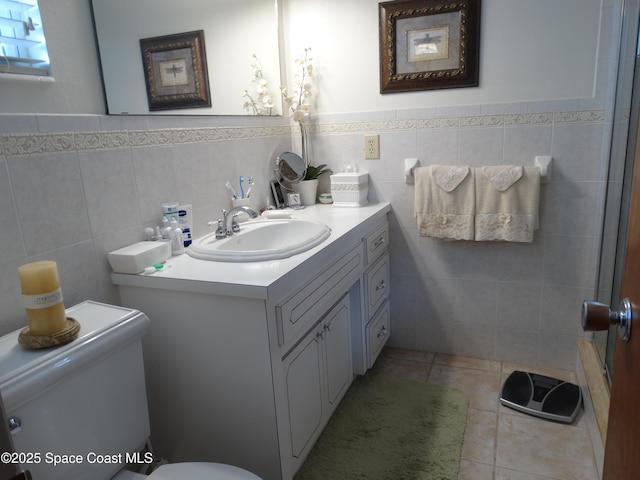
(372, 146)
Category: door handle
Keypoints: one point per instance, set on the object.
(599, 316)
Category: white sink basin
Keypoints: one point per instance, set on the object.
(260, 240)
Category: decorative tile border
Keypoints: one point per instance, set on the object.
(47, 143)
(34, 144)
(470, 121)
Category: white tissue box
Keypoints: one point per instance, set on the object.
(350, 189)
(135, 258)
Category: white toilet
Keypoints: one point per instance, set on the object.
(79, 411)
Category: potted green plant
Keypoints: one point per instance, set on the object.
(314, 172)
(308, 186)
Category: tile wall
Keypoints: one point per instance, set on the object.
(499, 301)
(75, 187)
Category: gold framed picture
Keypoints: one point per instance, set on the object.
(429, 44)
(175, 71)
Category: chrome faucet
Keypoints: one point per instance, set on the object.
(227, 226)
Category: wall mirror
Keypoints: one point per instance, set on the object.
(234, 31)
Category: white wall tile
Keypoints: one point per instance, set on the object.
(155, 180)
(50, 200)
(475, 341)
(11, 234)
(476, 302)
(494, 300)
(110, 190)
(519, 305)
(570, 260)
(573, 208)
(520, 346)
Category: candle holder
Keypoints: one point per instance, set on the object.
(66, 335)
(42, 297)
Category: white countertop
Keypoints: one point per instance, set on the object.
(253, 279)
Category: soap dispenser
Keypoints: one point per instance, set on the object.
(166, 229)
(177, 245)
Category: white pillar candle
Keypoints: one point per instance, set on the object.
(42, 297)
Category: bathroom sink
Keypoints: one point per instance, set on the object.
(260, 240)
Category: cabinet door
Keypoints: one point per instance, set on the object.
(337, 344)
(304, 390)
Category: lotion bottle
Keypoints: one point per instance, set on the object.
(177, 247)
(166, 229)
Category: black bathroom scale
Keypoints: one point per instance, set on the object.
(542, 396)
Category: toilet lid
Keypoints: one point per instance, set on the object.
(201, 471)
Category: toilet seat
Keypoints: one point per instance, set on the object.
(201, 471)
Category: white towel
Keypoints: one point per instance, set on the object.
(444, 201)
(507, 200)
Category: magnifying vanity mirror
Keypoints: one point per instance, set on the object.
(290, 167)
(234, 31)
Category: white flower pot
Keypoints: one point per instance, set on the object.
(308, 190)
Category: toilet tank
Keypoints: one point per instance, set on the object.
(82, 407)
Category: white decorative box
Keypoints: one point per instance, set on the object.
(135, 258)
(350, 189)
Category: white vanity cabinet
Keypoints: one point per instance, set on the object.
(375, 326)
(318, 372)
(245, 363)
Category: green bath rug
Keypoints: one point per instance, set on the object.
(390, 429)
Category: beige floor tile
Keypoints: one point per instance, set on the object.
(403, 354)
(404, 369)
(500, 443)
(481, 387)
(505, 474)
(579, 421)
(474, 471)
(467, 362)
(540, 447)
(479, 436)
(566, 375)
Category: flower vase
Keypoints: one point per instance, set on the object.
(305, 143)
(308, 190)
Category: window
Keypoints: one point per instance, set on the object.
(23, 49)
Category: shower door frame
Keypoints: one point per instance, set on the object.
(626, 121)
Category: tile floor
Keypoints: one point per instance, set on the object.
(500, 443)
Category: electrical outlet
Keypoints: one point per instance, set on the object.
(372, 146)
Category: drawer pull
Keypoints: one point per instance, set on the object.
(378, 242)
(382, 332)
(381, 285)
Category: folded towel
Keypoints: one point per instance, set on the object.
(503, 176)
(507, 199)
(444, 202)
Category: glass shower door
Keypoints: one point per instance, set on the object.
(623, 143)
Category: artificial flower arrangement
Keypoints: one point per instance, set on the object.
(263, 102)
(299, 102)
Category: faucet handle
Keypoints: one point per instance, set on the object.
(221, 232)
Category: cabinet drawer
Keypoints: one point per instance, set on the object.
(376, 242)
(378, 331)
(377, 284)
(298, 313)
